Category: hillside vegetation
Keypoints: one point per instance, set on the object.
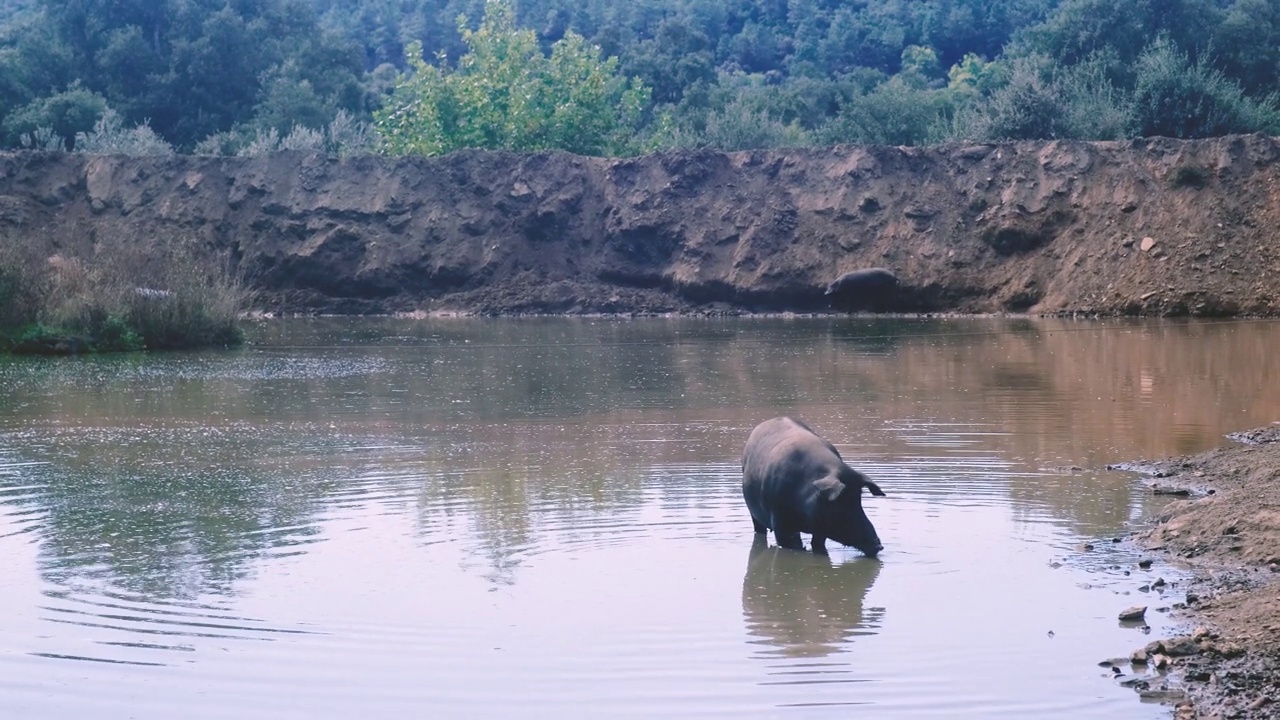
(618, 78)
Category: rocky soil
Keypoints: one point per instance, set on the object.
(1227, 532)
(1156, 226)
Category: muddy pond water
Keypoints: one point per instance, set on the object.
(543, 518)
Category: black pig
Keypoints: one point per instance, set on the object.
(794, 481)
(870, 289)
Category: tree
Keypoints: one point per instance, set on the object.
(678, 57)
(506, 94)
(1176, 97)
(1080, 28)
(897, 112)
(67, 113)
(1248, 44)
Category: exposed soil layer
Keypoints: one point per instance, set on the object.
(1228, 533)
(1156, 226)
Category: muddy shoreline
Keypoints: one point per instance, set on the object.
(1223, 526)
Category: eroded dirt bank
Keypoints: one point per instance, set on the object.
(1228, 533)
(1145, 227)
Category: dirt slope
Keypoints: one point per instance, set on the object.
(1153, 226)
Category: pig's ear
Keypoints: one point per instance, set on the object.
(874, 488)
(829, 487)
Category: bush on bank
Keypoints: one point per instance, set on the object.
(64, 305)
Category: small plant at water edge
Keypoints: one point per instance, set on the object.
(120, 303)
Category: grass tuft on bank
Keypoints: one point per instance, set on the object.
(64, 305)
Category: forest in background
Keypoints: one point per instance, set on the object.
(246, 76)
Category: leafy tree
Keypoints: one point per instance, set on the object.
(758, 48)
(678, 57)
(740, 126)
(896, 112)
(505, 94)
(230, 71)
(1247, 44)
(1037, 99)
(1176, 97)
(1080, 28)
(1027, 106)
(67, 113)
(973, 74)
(920, 66)
(956, 28)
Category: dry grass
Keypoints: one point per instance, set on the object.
(116, 301)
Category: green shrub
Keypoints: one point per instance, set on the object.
(1194, 176)
(738, 126)
(1175, 97)
(1027, 106)
(895, 113)
(1039, 100)
(505, 93)
(343, 136)
(109, 136)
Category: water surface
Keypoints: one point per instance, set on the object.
(529, 518)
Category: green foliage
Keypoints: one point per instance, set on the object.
(66, 113)
(677, 58)
(740, 126)
(1078, 29)
(109, 136)
(222, 77)
(92, 334)
(1176, 97)
(1027, 106)
(1247, 44)
(42, 138)
(897, 112)
(1041, 100)
(973, 74)
(506, 94)
(189, 67)
(919, 66)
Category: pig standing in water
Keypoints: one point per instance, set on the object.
(794, 482)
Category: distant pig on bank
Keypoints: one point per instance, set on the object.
(870, 289)
(794, 481)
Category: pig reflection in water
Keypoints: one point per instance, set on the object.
(803, 605)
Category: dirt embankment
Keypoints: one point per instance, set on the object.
(1145, 227)
(1228, 534)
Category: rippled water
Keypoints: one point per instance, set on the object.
(525, 518)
